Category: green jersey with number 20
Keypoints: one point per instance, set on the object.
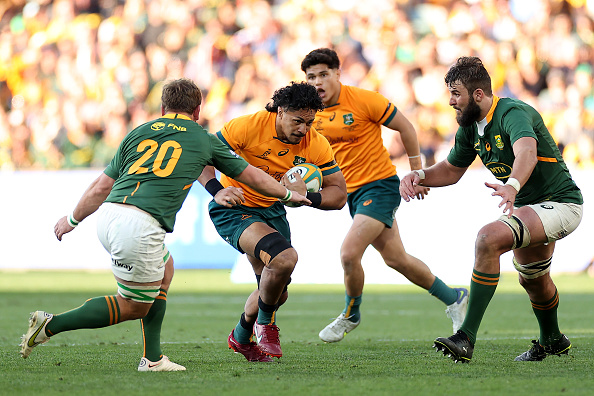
(156, 164)
(507, 121)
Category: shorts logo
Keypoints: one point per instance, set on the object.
(368, 202)
(127, 267)
(348, 119)
(245, 216)
(546, 206)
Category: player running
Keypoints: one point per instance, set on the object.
(352, 121)
(542, 202)
(275, 139)
(140, 193)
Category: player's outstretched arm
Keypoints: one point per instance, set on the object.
(441, 174)
(266, 185)
(92, 198)
(228, 197)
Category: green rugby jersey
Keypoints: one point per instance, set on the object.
(507, 121)
(157, 163)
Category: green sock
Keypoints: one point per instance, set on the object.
(482, 289)
(151, 327)
(266, 313)
(546, 314)
(243, 331)
(351, 309)
(94, 313)
(443, 292)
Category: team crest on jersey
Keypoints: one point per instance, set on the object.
(498, 142)
(157, 126)
(348, 119)
(298, 160)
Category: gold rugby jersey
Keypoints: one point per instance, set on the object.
(353, 128)
(254, 138)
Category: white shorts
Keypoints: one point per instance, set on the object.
(559, 219)
(134, 239)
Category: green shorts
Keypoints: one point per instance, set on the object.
(379, 199)
(232, 222)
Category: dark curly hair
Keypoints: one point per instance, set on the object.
(470, 72)
(297, 96)
(181, 95)
(324, 56)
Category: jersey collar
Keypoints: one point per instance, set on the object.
(492, 109)
(176, 115)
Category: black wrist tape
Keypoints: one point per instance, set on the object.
(213, 186)
(315, 198)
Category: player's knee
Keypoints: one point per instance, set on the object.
(489, 241)
(349, 257)
(275, 247)
(285, 261)
(132, 310)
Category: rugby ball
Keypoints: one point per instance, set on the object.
(311, 175)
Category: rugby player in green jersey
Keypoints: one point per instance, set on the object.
(139, 194)
(540, 200)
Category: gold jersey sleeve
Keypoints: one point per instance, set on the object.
(254, 138)
(353, 128)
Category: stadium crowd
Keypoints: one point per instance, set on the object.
(76, 75)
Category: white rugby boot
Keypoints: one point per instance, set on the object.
(336, 330)
(457, 310)
(36, 333)
(162, 365)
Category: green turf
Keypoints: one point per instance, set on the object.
(390, 353)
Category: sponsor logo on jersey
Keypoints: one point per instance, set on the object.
(319, 125)
(298, 160)
(488, 146)
(157, 126)
(499, 169)
(176, 127)
(348, 119)
(234, 153)
(264, 155)
(127, 267)
(332, 116)
(498, 142)
(284, 152)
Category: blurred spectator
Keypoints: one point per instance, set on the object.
(75, 75)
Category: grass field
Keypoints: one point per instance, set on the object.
(390, 352)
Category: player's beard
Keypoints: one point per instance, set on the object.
(469, 115)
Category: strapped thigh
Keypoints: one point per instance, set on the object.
(143, 294)
(519, 230)
(270, 246)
